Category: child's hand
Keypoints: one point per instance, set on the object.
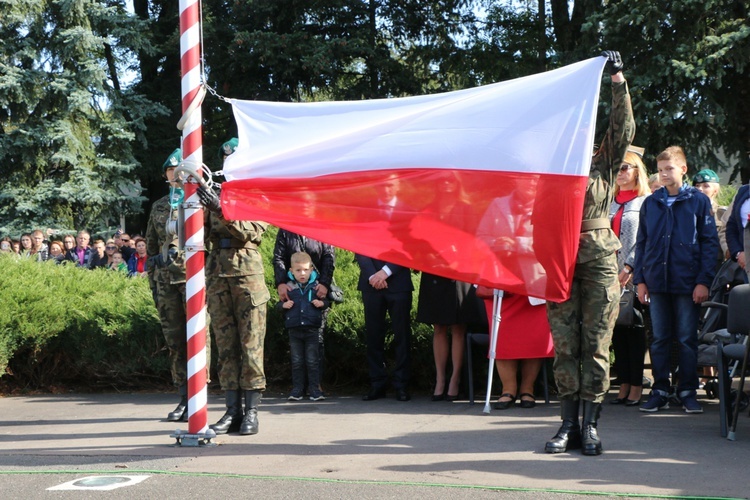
(317, 303)
(288, 304)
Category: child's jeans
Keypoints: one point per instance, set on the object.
(675, 316)
(305, 353)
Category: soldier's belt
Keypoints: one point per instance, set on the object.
(591, 224)
(232, 243)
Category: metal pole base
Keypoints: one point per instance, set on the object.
(184, 438)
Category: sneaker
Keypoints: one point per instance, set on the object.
(655, 403)
(295, 395)
(317, 396)
(691, 405)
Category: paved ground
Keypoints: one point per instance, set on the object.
(344, 447)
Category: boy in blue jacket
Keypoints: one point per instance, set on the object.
(303, 315)
(675, 260)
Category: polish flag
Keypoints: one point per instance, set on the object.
(484, 185)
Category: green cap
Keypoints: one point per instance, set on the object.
(705, 175)
(228, 147)
(173, 160)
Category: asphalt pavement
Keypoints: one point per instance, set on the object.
(344, 447)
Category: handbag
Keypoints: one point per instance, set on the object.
(335, 294)
(629, 315)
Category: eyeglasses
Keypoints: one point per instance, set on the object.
(625, 166)
(124, 240)
(109, 247)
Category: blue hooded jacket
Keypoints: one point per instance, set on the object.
(303, 312)
(676, 246)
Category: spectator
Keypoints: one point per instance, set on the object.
(118, 264)
(26, 244)
(39, 247)
(653, 182)
(137, 262)
(524, 337)
(707, 182)
(445, 303)
(16, 245)
(303, 315)
(81, 254)
(98, 257)
(386, 290)
(125, 245)
(675, 262)
(69, 242)
(324, 262)
(6, 245)
(629, 342)
(735, 227)
(57, 252)
(109, 250)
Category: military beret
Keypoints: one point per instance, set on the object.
(173, 160)
(705, 175)
(228, 147)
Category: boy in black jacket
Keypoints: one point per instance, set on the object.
(303, 315)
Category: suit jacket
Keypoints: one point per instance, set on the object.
(399, 281)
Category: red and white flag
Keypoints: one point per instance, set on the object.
(484, 185)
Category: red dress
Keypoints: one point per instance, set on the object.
(524, 331)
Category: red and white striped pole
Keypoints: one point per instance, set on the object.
(192, 154)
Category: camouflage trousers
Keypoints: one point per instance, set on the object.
(238, 312)
(582, 330)
(170, 302)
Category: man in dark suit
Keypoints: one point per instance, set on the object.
(386, 289)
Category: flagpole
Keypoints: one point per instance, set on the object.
(195, 285)
(497, 302)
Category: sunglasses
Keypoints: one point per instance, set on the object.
(124, 240)
(625, 166)
(108, 247)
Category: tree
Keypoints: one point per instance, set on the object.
(67, 124)
(687, 64)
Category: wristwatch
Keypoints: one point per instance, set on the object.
(628, 269)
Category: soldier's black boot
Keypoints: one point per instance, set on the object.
(232, 419)
(592, 445)
(250, 422)
(180, 412)
(568, 437)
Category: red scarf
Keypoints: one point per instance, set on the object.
(622, 198)
(140, 263)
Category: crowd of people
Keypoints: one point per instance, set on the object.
(119, 253)
(655, 236)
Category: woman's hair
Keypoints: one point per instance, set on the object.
(138, 239)
(641, 176)
(57, 244)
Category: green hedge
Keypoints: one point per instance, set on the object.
(60, 325)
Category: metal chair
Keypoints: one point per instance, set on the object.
(733, 348)
(483, 340)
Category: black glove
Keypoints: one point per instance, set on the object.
(614, 61)
(209, 199)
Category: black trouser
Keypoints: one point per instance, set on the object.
(397, 305)
(629, 343)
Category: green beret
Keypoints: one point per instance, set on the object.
(228, 147)
(173, 160)
(705, 175)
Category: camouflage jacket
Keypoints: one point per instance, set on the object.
(233, 247)
(157, 241)
(597, 243)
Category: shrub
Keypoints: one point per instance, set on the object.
(61, 324)
(64, 325)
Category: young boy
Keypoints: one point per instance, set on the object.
(118, 264)
(675, 260)
(303, 315)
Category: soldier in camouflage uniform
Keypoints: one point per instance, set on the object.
(166, 269)
(237, 297)
(582, 325)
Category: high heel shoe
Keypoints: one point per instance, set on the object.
(451, 397)
(438, 397)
